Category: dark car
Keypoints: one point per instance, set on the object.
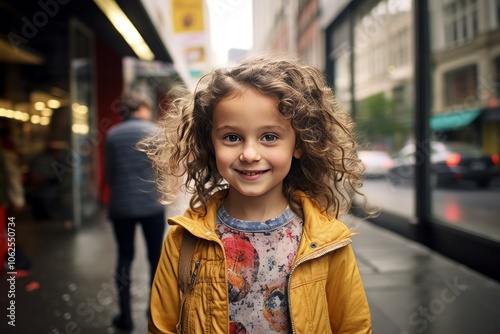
(450, 162)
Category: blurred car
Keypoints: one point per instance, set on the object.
(377, 163)
(450, 162)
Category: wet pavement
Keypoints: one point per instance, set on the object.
(70, 288)
(412, 289)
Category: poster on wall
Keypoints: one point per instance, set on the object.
(187, 16)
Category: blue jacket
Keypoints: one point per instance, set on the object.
(129, 172)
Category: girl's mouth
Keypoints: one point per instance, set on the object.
(251, 173)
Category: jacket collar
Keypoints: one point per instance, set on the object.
(202, 226)
(320, 230)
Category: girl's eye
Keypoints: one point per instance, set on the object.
(231, 138)
(269, 137)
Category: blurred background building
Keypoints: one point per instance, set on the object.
(421, 79)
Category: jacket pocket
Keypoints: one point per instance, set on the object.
(309, 305)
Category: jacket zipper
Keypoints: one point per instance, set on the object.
(194, 279)
(307, 258)
(194, 275)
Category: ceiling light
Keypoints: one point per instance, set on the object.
(46, 112)
(35, 119)
(18, 115)
(39, 105)
(44, 121)
(122, 23)
(54, 104)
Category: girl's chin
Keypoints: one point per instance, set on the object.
(254, 193)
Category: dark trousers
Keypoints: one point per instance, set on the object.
(153, 228)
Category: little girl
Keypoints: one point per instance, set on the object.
(272, 164)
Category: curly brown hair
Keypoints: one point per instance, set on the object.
(329, 169)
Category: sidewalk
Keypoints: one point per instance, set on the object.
(71, 288)
(410, 288)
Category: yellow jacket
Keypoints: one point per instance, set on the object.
(325, 291)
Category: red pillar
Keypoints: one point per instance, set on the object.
(109, 82)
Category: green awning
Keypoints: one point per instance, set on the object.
(454, 120)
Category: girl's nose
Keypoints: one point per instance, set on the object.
(250, 153)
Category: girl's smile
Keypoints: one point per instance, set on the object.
(251, 175)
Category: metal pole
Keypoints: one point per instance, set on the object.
(422, 113)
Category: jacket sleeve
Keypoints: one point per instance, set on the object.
(348, 306)
(165, 296)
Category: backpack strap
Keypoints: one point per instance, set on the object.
(185, 280)
(185, 259)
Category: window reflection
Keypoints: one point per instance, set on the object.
(465, 118)
(375, 76)
(460, 84)
(383, 93)
(461, 21)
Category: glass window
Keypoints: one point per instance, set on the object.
(464, 170)
(383, 102)
(461, 20)
(399, 48)
(401, 102)
(83, 120)
(341, 58)
(403, 47)
(460, 84)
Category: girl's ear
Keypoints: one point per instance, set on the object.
(297, 153)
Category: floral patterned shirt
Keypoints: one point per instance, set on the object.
(259, 258)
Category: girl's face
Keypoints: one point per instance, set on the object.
(254, 144)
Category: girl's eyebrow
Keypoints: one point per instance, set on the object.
(267, 128)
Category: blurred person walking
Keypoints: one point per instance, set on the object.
(133, 197)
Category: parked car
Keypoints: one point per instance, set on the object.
(377, 163)
(450, 162)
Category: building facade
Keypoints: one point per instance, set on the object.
(274, 28)
(310, 46)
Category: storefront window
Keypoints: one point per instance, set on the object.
(464, 138)
(383, 94)
(83, 121)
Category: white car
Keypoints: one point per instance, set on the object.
(377, 163)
